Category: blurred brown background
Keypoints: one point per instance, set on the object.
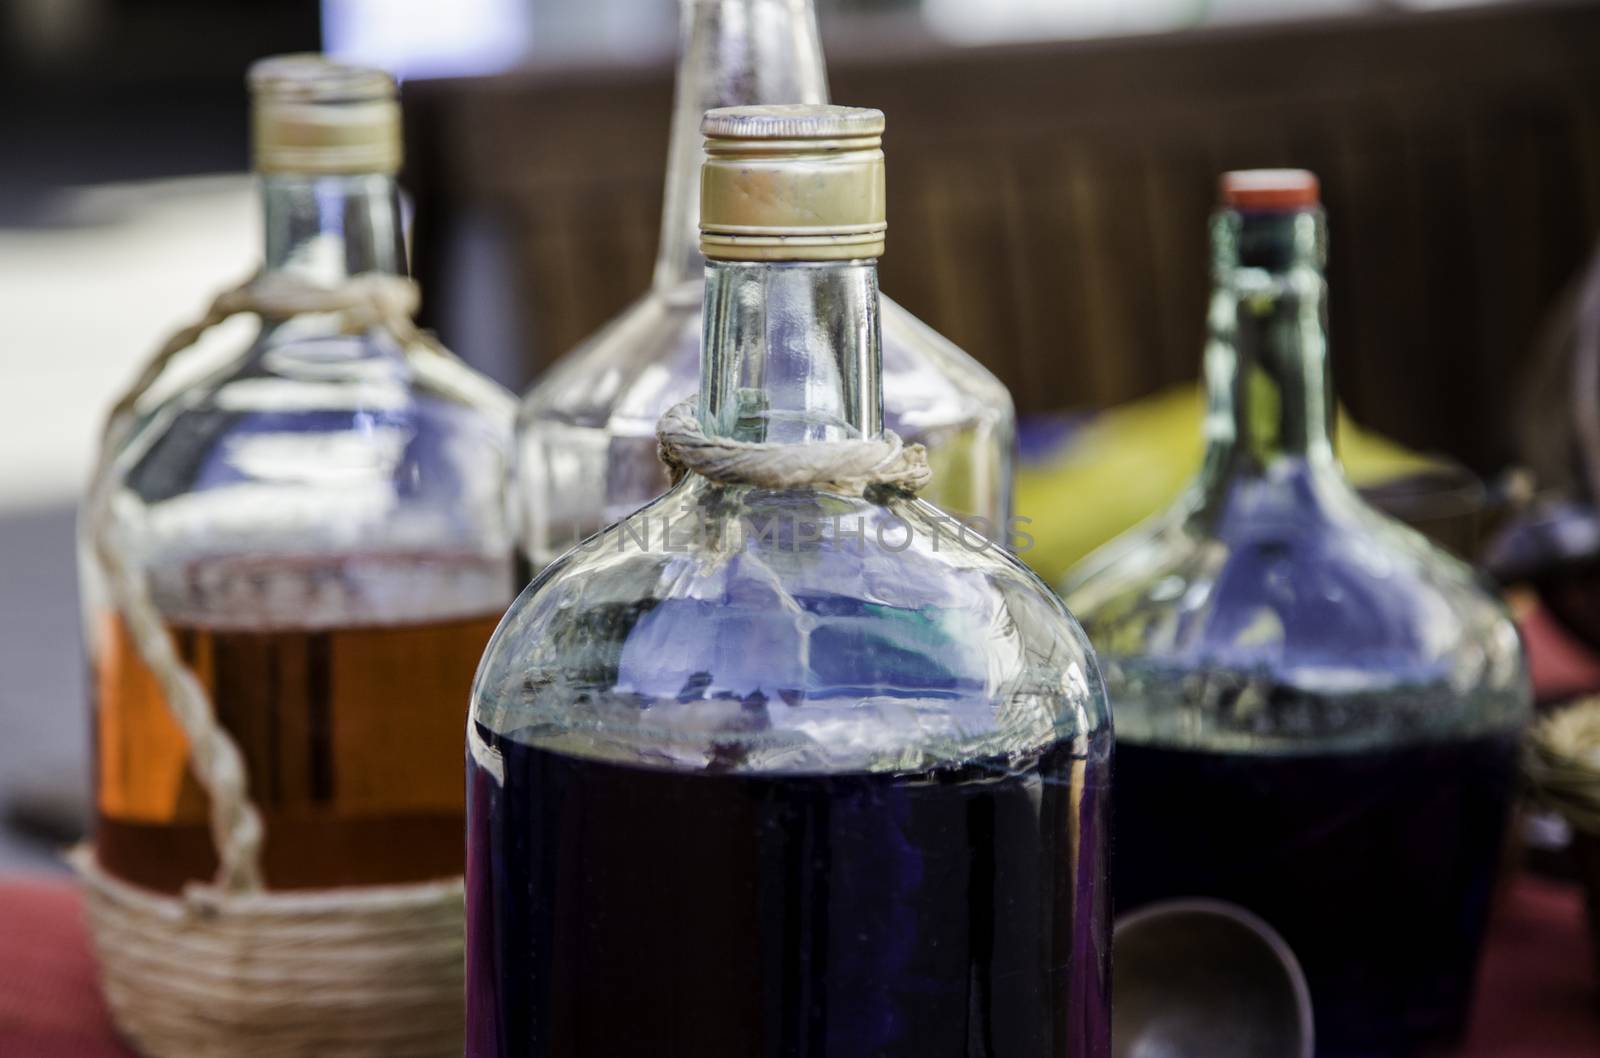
(1048, 202)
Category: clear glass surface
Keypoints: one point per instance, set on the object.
(836, 767)
(316, 453)
(742, 642)
(1317, 712)
(586, 431)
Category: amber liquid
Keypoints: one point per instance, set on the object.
(351, 737)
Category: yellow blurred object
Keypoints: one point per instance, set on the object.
(1133, 461)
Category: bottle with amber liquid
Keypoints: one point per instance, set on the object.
(320, 521)
(1317, 712)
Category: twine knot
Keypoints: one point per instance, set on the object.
(850, 467)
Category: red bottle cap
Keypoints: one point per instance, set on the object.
(1270, 189)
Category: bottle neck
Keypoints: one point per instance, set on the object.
(733, 52)
(325, 229)
(1269, 392)
(791, 352)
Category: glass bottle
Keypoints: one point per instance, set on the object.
(586, 448)
(777, 771)
(1317, 711)
(321, 522)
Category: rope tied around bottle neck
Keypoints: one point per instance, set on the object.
(851, 467)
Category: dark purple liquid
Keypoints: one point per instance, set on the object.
(616, 910)
(1376, 867)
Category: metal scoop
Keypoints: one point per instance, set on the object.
(1206, 979)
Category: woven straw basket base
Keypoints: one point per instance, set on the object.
(345, 973)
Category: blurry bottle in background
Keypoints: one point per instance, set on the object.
(1554, 545)
(586, 448)
(1317, 712)
(321, 522)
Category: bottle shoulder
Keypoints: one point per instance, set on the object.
(819, 631)
(647, 358)
(915, 355)
(316, 373)
(317, 446)
(643, 361)
(1309, 582)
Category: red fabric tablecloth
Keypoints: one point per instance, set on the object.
(1538, 997)
(50, 1004)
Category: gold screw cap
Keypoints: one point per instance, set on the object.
(317, 116)
(792, 182)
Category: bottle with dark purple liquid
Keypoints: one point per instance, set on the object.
(788, 772)
(1317, 712)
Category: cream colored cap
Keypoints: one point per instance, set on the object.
(314, 115)
(792, 182)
